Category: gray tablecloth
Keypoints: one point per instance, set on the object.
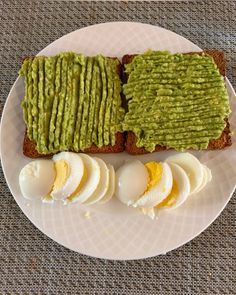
(31, 263)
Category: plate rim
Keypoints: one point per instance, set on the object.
(2, 158)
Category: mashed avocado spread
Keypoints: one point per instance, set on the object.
(175, 100)
(71, 101)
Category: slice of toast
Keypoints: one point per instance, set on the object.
(223, 141)
(29, 146)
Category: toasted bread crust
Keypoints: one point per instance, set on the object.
(29, 147)
(215, 144)
(223, 141)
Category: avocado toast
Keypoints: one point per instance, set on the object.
(72, 102)
(175, 101)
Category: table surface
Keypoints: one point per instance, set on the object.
(31, 263)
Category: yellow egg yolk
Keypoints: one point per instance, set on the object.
(155, 172)
(79, 187)
(62, 173)
(171, 198)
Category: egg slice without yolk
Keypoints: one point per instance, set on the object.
(103, 185)
(111, 188)
(36, 179)
(191, 166)
(131, 181)
(206, 178)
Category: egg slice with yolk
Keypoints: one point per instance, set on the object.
(103, 185)
(158, 187)
(90, 183)
(180, 188)
(69, 173)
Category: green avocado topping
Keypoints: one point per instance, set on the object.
(98, 96)
(35, 109)
(41, 99)
(76, 141)
(30, 99)
(87, 99)
(175, 100)
(24, 104)
(74, 101)
(90, 124)
(52, 125)
(68, 101)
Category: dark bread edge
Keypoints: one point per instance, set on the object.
(215, 144)
(29, 147)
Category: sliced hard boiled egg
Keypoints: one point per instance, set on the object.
(103, 185)
(159, 185)
(180, 189)
(206, 178)
(192, 167)
(111, 188)
(36, 179)
(131, 181)
(89, 184)
(69, 173)
(207, 173)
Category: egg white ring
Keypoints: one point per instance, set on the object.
(103, 186)
(93, 178)
(111, 189)
(206, 178)
(192, 167)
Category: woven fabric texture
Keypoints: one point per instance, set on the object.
(31, 263)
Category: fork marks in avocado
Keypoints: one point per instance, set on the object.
(29, 101)
(24, 104)
(175, 100)
(35, 109)
(90, 124)
(86, 103)
(98, 97)
(61, 103)
(52, 126)
(74, 101)
(69, 101)
(76, 140)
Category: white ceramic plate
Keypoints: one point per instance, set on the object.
(114, 231)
